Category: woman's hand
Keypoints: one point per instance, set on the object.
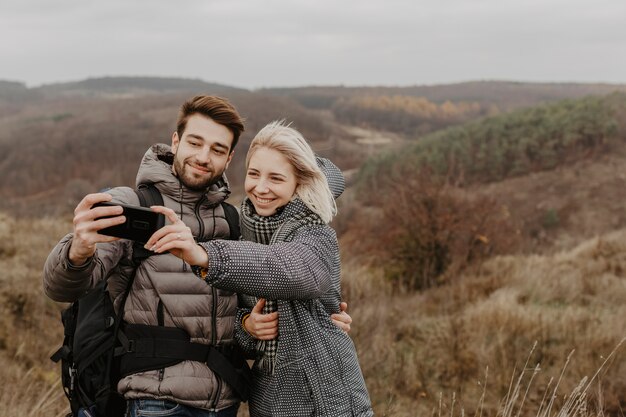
(176, 238)
(342, 319)
(261, 326)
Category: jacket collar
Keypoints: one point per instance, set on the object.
(156, 168)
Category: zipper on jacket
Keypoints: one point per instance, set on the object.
(160, 315)
(214, 317)
(180, 202)
(161, 322)
(218, 392)
(215, 399)
(199, 218)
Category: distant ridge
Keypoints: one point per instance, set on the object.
(11, 85)
(135, 86)
(15, 91)
(507, 95)
(113, 87)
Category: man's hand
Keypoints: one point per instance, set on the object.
(261, 326)
(86, 226)
(342, 319)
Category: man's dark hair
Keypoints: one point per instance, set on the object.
(218, 109)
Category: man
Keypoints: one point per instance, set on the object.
(189, 176)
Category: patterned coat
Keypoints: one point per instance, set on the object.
(317, 371)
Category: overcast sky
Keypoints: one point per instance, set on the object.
(267, 43)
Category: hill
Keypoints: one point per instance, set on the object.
(531, 181)
(461, 349)
(134, 86)
(83, 143)
(513, 144)
(505, 95)
(419, 110)
(12, 90)
(65, 125)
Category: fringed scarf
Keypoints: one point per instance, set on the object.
(268, 230)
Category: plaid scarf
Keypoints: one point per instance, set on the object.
(278, 227)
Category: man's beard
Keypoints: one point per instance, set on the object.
(191, 181)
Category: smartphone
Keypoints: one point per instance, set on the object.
(140, 224)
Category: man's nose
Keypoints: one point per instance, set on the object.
(204, 156)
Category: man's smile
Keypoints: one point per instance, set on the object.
(200, 168)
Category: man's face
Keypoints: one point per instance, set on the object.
(202, 154)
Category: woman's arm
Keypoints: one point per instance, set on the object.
(300, 269)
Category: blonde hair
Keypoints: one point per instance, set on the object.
(312, 186)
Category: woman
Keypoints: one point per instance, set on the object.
(291, 255)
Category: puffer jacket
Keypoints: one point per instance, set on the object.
(163, 283)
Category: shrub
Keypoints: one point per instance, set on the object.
(433, 230)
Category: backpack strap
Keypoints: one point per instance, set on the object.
(232, 217)
(148, 195)
(153, 347)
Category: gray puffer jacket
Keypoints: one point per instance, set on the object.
(163, 283)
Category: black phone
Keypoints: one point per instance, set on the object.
(140, 224)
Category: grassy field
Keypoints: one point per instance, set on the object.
(516, 336)
(472, 337)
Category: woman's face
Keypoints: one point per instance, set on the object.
(270, 181)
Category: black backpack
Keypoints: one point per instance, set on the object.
(99, 348)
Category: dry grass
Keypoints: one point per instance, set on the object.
(30, 327)
(413, 347)
(422, 354)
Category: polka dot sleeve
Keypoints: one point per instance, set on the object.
(299, 269)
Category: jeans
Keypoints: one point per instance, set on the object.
(156, 408)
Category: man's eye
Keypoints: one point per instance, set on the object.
(194, 144)
(252, 174)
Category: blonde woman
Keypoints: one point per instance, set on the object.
(290, 257)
